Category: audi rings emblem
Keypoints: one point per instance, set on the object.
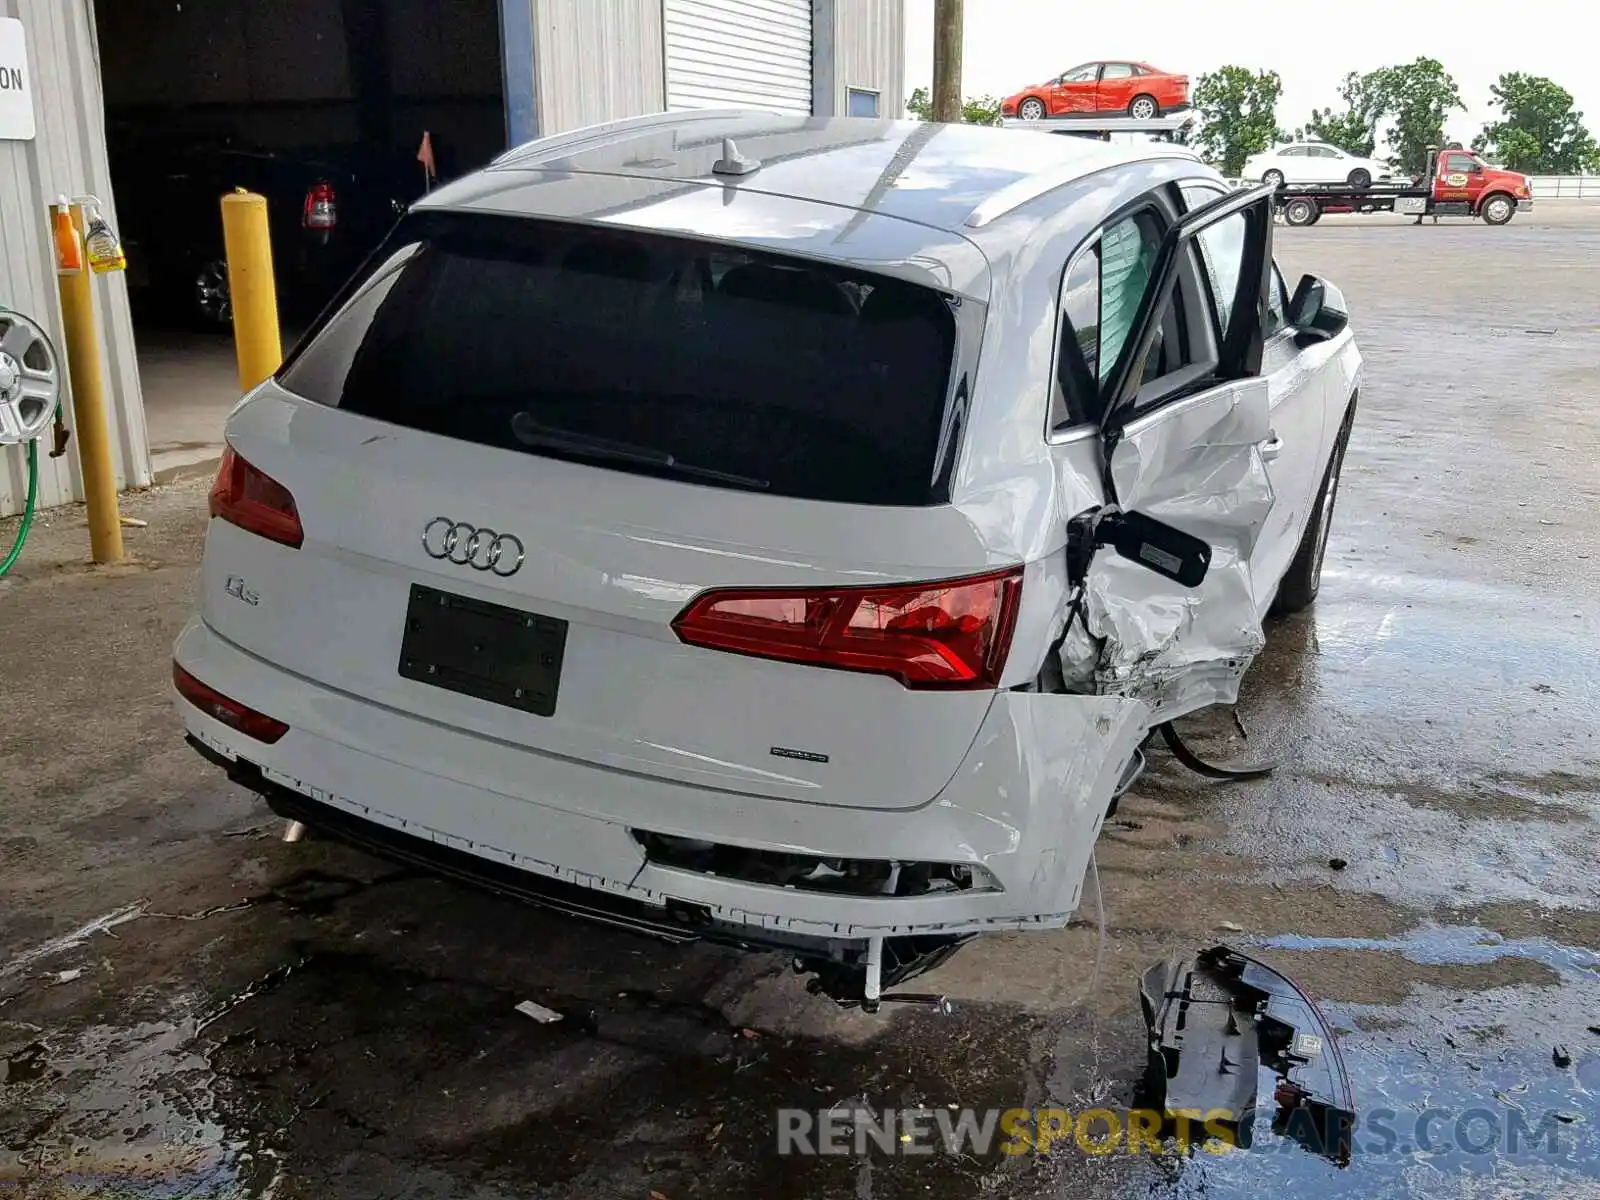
(468, 546)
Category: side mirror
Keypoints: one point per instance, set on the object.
(1152, 544)
(1318, 311)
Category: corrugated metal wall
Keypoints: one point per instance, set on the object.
(596, 60)
(600, 60)
(870, 53)
(69, 155)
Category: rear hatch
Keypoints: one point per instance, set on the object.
(528, 459)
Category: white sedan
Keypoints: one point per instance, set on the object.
(1314, 162)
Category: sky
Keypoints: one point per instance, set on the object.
(1009, 44)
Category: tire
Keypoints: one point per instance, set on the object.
(1360, 178)
(1031, 109)
(1273, 178)
(1300, 211)
(1497, 209)
(1303, 580)
(1144, 108)
(213, 304)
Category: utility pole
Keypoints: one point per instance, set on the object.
(947, 60)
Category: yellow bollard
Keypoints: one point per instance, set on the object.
(250, 287)
(86, 371)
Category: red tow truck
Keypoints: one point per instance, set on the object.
(1456, 183)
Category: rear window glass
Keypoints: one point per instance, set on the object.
(646, 353)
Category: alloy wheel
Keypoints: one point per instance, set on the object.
(212, 297)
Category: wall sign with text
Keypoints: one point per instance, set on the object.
(16, 83)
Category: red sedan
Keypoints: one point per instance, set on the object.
(1137, 89)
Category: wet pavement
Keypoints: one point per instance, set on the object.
(189, 1007)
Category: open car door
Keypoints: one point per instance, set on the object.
(1174, 611)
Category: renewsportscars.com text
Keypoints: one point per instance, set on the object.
(981, 1132)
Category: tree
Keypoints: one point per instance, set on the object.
(947, 26)
(1539, 132)
(1238, 114)
(1418, 96)
(976, 110)
(1355, 130)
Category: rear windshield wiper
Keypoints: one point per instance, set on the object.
(542, 437)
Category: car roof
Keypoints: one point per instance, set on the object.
(923, 201)
(932, 174)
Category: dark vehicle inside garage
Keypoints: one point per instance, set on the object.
(339, 112)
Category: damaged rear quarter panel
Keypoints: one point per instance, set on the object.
(1068, 754)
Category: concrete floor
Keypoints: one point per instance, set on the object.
(190, 383)
(190, 1007)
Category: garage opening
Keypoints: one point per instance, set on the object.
(738, 53)
(319, 105)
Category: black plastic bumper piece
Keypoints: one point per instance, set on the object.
(1219, 1016)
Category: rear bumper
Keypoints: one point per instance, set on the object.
(1026, 806)
(676, 923)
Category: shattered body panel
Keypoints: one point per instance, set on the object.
(1198, 467)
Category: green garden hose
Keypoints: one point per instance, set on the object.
(61, 432)
(10, 560)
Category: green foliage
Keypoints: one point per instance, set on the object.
(1539, 132)
(981, 110)
(1355, 130)
(976, 110)
(1238, 114)
(1417, 96)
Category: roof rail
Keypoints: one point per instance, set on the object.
(1172, 123)
(604, 131)
(1031, 187)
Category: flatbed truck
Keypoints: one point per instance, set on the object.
(1455, 183)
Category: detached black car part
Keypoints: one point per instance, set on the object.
(1215, 1019)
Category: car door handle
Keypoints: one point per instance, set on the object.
(1272, 447)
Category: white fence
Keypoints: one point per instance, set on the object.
(1565, 187)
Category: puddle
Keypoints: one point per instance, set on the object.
(362, 1046)
(121, 1111)
(1456, 945)
(25, 1066)
(1511, 1124)
(1458, 1094)
(351, 1072)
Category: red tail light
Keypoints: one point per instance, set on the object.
(947, 634)
(322, 206)
(253, 500)
(230, 712)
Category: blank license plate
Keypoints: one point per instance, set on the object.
(499, 654)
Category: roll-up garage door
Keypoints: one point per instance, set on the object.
(739, 54)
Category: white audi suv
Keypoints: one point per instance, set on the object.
(770, 529)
